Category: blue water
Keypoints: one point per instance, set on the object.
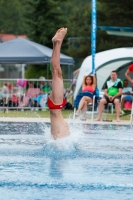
(95, 163)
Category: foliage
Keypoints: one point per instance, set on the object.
(35, 71)
(11, 17)
(44, 17)
(79, 29)
(39, 19)
(109, 13)
(113, 13)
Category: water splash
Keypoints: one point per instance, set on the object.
(66, 146)
(61, 147)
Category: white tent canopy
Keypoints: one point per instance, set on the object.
(105, 62)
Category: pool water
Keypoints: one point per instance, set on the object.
(95, 162)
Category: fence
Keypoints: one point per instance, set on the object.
(29, 93)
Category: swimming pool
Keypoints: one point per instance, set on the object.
(95, 163)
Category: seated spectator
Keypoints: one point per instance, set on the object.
(10, 98)
(36, 96)
(13, 98)
(29, 85)
(44, 87)
(41, 82)
(31, 93)
(21, 84)
(127, 95)
(42, 97)
(39, 101)
(10, 88)
(112, 94)
(4, 95)
(88, 89)
(5, 91)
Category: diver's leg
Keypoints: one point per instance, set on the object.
(59, 127)
(57, 79)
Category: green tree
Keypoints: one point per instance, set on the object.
(11, 17)
(79, 29)
(43, 17)
(113, 13)
(35, 71)
(109, 13)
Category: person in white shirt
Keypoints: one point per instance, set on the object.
(5, 89)
(127, 94)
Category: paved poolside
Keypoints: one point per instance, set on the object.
(23, 119)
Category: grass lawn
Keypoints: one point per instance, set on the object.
(34, 114)
(46, 114)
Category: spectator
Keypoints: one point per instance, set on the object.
(44, 87)
(42, 97)
(88, 89)
(4, 95)
(10, 97)
(126, 95)
(10, 88)
(112, 94)
(8, 91)
(5, 90)
(31, 93)
(41, 82)
(29, 85)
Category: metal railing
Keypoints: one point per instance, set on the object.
(30, 94)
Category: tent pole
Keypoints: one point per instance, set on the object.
(93, 34)
(23, 70)
(47, 70)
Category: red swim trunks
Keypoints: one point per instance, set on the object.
(51, 105)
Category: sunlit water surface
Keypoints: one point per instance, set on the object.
(95, 162)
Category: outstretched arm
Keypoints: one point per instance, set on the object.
(94, 80)
(127, 74)
(75, 73)
(83, 83)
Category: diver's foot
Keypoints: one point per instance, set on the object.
(59, 36)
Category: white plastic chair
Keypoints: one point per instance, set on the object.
(131, 116)
(88, 112)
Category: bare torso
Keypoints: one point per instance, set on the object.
(59, 127)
